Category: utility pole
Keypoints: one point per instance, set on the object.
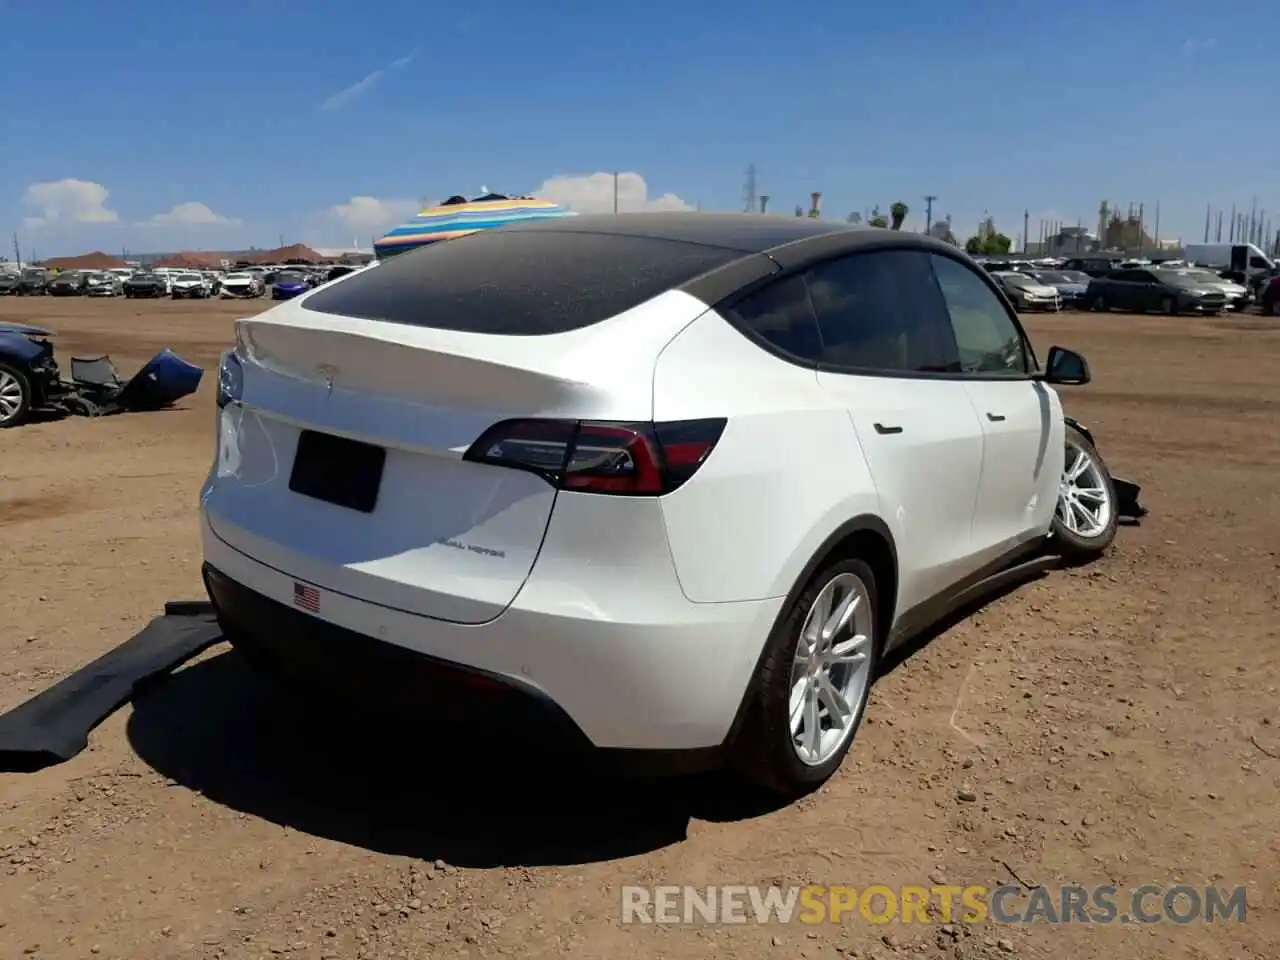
(17, 254)
(615, 191)
(928, 212)
(1208, 213)
(749, 190)
(1026, 229)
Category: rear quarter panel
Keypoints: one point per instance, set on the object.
(786, 474)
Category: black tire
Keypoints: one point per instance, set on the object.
(1070, 544)
(763, 754)
(1169, 306)
(1100, 305)
(23, 413)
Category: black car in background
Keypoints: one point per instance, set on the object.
(9, 282)
(33, 283)
(69, 284)
(146, 285)
(1096, 266)
(1167, 291)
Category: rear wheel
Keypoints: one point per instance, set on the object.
(1169, 306)
(15, 396)
(813, 684)
(1084, 521)
(1100, 304)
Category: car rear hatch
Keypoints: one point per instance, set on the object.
(344, 464)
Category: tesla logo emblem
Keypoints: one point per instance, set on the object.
(328, 373)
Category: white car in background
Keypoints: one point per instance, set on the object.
(672, 483)
(189, 286)
(241, 286)
(1238, 296)
(1028, 293)
(103, 284)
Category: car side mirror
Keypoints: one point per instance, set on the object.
(1065, 367)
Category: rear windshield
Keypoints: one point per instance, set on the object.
(519, 283)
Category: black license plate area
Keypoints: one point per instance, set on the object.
(347, 473)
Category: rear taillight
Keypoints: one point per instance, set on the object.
(627, 459)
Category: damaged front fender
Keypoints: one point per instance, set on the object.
(1128, 493)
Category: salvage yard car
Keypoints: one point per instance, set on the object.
(28, 372)
(1238, 295)
(146, 284)
(1027, 293)
(288, 284)
(1168, 291)
(667, 482)
(241, 286)
(68, 283)
(189, 286)
(9, 282)
(1071, 285)
(103, 284)
(33, 282)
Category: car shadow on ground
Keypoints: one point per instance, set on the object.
(435, 792)
(901, 655)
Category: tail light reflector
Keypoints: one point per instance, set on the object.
(625, 459)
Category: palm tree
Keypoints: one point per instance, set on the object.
(899, 213)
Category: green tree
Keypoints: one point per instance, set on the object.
(994, 242)
(898, 212)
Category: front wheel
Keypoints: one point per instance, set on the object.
(1169, 306)
(15, 397)
(813, 684)
(1084, 521)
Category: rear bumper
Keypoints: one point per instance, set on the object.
(653, 693)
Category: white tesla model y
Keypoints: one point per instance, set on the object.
(669, 483)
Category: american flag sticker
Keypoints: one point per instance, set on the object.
(308, 598)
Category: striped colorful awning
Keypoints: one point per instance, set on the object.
(459, 219)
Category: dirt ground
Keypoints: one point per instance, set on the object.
(1112, 724)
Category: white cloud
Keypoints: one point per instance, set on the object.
(594, 193)
(191, 214)
(365, 84)
(367, 214)
(1201, 45)
(61, 201)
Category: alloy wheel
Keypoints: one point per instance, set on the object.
(1084, 502)
(10, 396)
(830, 674)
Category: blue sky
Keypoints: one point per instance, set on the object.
(157, 126)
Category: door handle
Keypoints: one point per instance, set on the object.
(883, 429)
(995, 417)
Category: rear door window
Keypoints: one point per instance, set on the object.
(520, 283)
